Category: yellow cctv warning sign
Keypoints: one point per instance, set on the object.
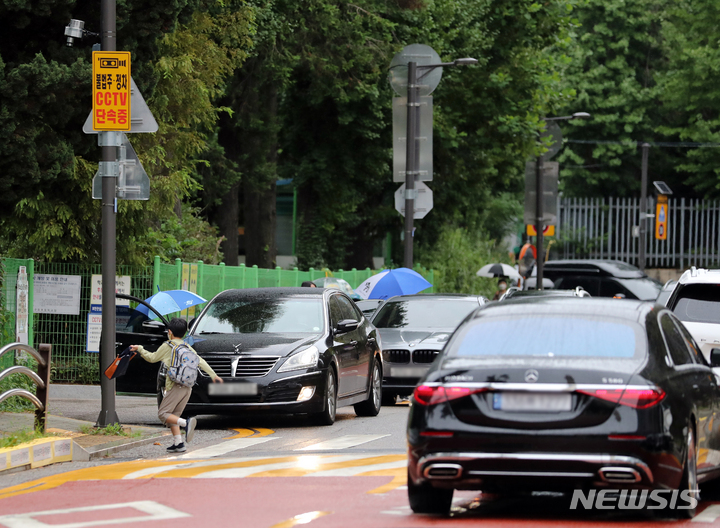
(548, 230)
(661, 217)
(111, 90)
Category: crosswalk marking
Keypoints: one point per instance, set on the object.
(386, 465)
(269, 469)
(342, 442)
(352, 471)
(228, 446)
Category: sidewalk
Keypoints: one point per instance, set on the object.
(72, 409)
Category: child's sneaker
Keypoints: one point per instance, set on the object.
(190, 429)
(177, 448)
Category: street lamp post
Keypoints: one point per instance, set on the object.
(539, 201)
(412, 161)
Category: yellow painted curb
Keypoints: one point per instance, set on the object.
(38, 453)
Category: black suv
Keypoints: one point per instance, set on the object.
(602, 278)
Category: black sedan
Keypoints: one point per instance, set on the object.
(414, 328)
(566, 394)
(285, 350)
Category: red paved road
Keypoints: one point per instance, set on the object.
(266, 502)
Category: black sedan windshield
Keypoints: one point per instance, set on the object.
(549, 336)
(423, 313)
(262, 315)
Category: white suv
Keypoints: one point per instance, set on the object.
(695, 300)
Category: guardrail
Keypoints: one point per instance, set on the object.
(41, 379)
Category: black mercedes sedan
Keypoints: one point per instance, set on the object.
(563, 394)
(283, 350)
(414, 328)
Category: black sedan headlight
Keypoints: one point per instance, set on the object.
(302, 360)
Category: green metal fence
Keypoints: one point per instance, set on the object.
(71, 362)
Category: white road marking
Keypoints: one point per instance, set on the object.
(342, 442)
(351, 471)
(153, 512)
(708, 515)
(296, 464)
(227, 446)
(150, 471)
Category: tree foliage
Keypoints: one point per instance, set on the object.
(249, 92)
(689, 85)
(182, 54)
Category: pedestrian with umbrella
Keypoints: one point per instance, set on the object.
(503, 271)
(502, 288)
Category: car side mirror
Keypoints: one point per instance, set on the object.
(346, 325)
(619, 296)
(715, 357)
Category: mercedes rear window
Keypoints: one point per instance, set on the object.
(548, 337)
(698, 303)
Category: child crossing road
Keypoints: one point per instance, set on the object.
(176, 395)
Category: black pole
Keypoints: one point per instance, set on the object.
(108, 416)
(643, 206)
(539, 261)
(411, 161)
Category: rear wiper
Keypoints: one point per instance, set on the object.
(206, 333)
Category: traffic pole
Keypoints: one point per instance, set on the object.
(643, 206)
(109, 170)
(411, 161)
(539, 261)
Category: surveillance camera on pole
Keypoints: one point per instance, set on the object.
(76, 30)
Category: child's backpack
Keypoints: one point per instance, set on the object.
(183, 367)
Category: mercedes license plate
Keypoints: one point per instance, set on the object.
(532, 401)
(232, 389)
(408, 372)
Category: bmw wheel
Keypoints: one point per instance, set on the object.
(371, 406)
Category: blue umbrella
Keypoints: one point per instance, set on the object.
(170, 301)
(386, 284)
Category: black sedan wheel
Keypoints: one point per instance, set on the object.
(327, 417)
(371, 406)
(689, 478)
(426, 499)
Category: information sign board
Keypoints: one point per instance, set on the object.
(56, 294)
(122, 285)
(94, 331)
(21, 303)
(111, 90)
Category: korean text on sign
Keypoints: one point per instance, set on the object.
(111, 90)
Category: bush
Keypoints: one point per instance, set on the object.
(456, 256)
